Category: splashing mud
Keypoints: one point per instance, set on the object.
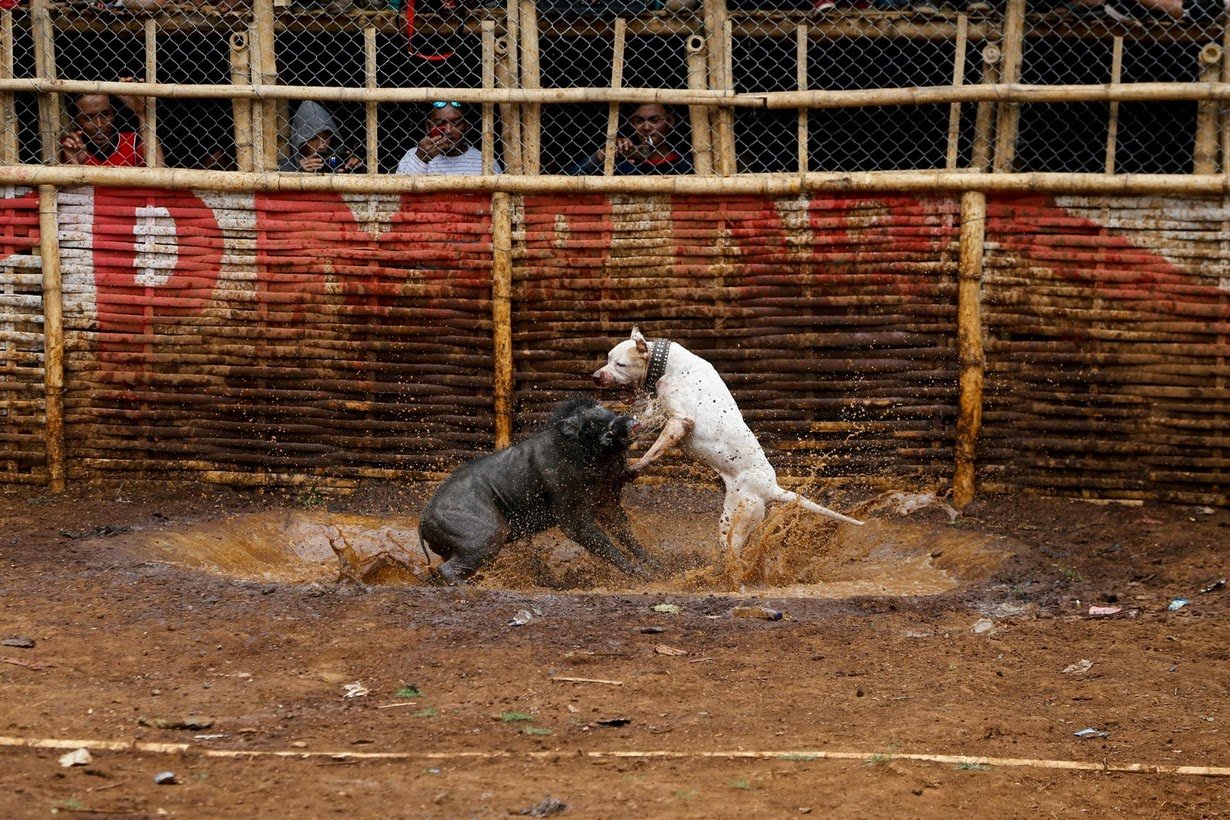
(908, 547)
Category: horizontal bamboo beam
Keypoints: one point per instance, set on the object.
(851, 98)
(937, 182)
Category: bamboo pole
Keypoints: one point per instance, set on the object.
(716, 98)
(149, 137)
(531, 127)
(958, 80)
(501, 316)
(265, 73)
(241, 108)
(53, 335)
(726, 116)
(1112, 126)
(1204, 159)
(508, 74)
(984, 115)
(932, 181)
(1009, 113)
(715, 20)
(969, 344)
(699, 115)
(9, 147)
(1225, 110)
(371, 107)
(801, 66)
(488, 110)
(50, 114)
(617, 82)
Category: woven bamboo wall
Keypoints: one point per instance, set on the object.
(247, 337)
(1107, 342)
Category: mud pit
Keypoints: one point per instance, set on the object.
(924, 667)
(797, 554)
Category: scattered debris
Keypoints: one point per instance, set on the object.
(166, 779)
(523, 617)
(562, 679)
(1091, 732)
(1103, 611)
(669, 609)
(1079, 668)
(355, 690)
(982, 625)
(77, 757)
(103, 531)
(18, 642)
(35, 665)
(1205, 510)
(761, 612)
(1177, 604)
(653, 630)
(547, 807)
(194, 724)
(663, 649)
(614, 722)
(1212, 585)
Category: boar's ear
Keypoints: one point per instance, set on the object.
(641, 344)
(570, 426)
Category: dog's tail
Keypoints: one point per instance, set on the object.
(808, 504)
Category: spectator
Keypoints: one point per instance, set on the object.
(216, 159)
(446, 148)
(97, 140)
(316, 144)
(650, 149)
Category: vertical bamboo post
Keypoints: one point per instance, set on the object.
(507, 74)
(958, 79)
(727, 144)
(801, 66)
(1225, 109)
(501, 316)
(531, 127)
(984, 116)
(241, 109)
(487, 146)
(699, 115)
(617, 82)
(49, 110)
(265, 72)
(9, 148)
(1204, 160)
(53, 334)
(372, 107)
(969, 343)
(149, 137)
(1009, 114)
(716, 52)
(1112, 125)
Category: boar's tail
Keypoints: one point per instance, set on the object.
(423, 547)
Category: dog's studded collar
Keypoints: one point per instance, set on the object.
(658, 351)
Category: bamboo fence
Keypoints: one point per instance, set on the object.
(973, 327)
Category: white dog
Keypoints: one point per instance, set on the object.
(701, 413)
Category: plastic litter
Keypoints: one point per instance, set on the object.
(166, 779)
(1091, 732)
(983, 625)
(1078, 668)
(523, 617)
(1103, 611)
(77, 757)
(1212, 585)
(1177, 604)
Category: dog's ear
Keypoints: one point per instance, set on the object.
(641, 345)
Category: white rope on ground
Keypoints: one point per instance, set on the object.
(803, 755)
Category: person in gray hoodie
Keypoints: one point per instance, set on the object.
(316, 144)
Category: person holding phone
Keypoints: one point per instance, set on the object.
(445, 149)
(648, 150)
(316, 147)
(97, 139)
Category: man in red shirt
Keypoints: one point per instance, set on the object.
(97, 141)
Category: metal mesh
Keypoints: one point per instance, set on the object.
(641, 44)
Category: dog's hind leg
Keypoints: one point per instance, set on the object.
(741, 515)
(807, 504)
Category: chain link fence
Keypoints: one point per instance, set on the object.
(745, 46)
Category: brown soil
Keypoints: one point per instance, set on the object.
(152, 607)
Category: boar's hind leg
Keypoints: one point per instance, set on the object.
(471, 549)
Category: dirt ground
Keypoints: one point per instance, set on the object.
(922, 666)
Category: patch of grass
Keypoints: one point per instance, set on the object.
(515, 717)
(740, 784)
(1070, 573)
(429, 711)
(71, 804)
(880, 758)
(537, 730)
(310, 498)
(408, 691)
(972, 766)
(687, 794)
(799, 757)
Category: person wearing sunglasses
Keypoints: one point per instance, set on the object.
(649, 149)
(445, 148)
